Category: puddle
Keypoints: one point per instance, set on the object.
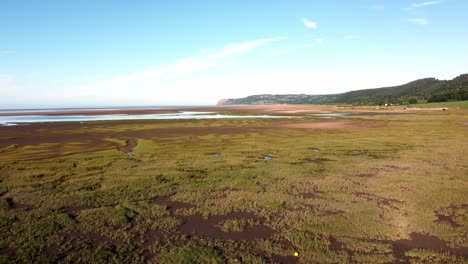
(363, 154)
(267, 158)
(315, 149)
(331, 114)
(208, 227)
(424, 241)
(130, 154)
(215, 155)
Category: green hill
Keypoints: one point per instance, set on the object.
(423, 90)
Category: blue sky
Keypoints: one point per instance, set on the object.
(107, 53)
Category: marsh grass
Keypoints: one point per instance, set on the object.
(367, 189)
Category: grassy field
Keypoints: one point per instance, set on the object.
(377, 189)
(458, 104)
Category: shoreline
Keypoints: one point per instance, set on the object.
(260, 109)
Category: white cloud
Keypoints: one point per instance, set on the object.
(319, 40)
(423, 4)
(168, 83)
(419, 21)
(418, 6)
(236, 48)
(309, 24)
(348, 37)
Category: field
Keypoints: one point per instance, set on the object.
(460, 104)
(371, 187)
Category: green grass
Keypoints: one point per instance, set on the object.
(457, 104)
(366, 189)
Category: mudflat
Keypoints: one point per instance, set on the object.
(373, 186)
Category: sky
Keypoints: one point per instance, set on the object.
(129, 53)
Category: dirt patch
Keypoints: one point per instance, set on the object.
(322, 124)
(366, 175)
(284, 259)
(198, 225)
(382, 202)
(337, 245)
(333, 213)
(449, 214)
(446, 219)
(130, 144)
(172, 206)
(95, 239)
(7, 251)
(73, 211)
(17, 206)
(464, 123)
(424, 241)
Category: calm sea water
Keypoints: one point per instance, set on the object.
(20, 119)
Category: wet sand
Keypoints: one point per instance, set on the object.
(253, 109)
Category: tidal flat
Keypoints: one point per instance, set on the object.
(369, 186)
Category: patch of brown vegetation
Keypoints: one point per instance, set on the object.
(464, 123)
(334, 124)
(312, 195)
(309, 160)
(61, 134)
(366, 175)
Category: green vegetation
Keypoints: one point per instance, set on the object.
(458, 104)
(385, 188)
(430, 90)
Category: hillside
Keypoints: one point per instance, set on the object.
(429, 89)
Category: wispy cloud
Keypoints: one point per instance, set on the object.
(419, 21)
(237, 48)
(348, 37)
(417, 7)
(423, 4)
(319, 40)
(309, 24)
(164, 80)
